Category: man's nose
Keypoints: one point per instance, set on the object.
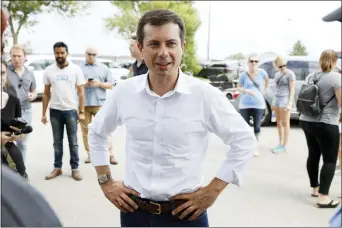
(163, 51)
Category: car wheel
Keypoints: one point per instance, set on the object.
(229, 96)
(266, 119)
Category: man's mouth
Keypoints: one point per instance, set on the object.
(163, 64)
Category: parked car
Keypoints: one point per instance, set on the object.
(217, 67)
(38, 63)
(302, 66)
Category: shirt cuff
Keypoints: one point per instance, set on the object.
(229, 176)
(99, 158)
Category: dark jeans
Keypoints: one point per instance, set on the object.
(16, 156)
(146, 219)
(322, 139)
(58, 120)
(257, 115)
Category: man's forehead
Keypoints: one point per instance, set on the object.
(162, 32)
(91, 50)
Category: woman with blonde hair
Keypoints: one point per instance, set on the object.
(282, 101)
(321, 132)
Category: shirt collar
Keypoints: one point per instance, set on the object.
(181, 85)
(87, 64)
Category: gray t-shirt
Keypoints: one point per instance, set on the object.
(22, 85)
(327, 84)
(282, 81)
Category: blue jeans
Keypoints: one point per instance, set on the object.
(257, 115)
(146, 219)
(26, 114)
(58, 120)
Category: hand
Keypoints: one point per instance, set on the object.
(44, 120)
(289, 106)
(81, 116)
(31, 96)
(196, 202)
(94, 83)
(249, 92)
(117, 193)
(6, 136)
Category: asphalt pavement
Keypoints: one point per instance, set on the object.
(275, 192)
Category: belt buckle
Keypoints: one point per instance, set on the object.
(158, 209)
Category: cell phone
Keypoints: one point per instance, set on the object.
(90, 79)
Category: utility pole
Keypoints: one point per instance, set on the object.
(209, 20)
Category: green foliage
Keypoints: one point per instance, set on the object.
(237, 56)
(126, 21)
(22, 12)
(299, 49)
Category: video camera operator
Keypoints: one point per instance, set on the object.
(10, 110)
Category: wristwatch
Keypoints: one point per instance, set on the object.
(81, 112)
(104, 178)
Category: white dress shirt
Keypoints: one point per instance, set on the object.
(167, 136)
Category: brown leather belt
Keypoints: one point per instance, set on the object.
(156, 208)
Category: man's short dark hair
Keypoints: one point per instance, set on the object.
(60, 45)
(159, 17)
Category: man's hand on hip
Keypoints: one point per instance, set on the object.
(118, 193)
(196, 202)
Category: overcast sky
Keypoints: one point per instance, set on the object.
(236, 26)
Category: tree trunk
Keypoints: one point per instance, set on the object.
(15, 38)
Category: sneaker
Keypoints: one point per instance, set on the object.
(256, 154)
(276, 148)
(280, 149)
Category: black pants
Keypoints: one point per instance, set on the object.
(322, 139)
(16, 156)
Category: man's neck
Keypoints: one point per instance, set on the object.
(61, 66)
(19, 69)
(162, 85)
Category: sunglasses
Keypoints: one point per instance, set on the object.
(20, 83)
(253, 61)
(280, 67)
(91, 54)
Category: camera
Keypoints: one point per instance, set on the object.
(21, 124)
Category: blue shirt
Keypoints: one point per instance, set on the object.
(95, 96)
(335, 220)
(257, 101)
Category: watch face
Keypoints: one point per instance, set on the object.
(103, 178)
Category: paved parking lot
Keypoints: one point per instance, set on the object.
(275, 192)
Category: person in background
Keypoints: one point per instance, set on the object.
(339, 165)
(10, 109)
(24, 83)
(98, 79)
(63, 80)
(138, 67)
(282, 101)
(252, 85)
(321, 132)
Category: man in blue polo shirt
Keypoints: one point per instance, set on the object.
(98, 79)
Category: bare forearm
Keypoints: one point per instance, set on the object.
(106, 85)
(46, 100)
(102, 169)
(81, 101)
(217, 185)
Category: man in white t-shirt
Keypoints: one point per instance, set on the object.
(63, 82)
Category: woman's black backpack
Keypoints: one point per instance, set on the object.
(308, 102)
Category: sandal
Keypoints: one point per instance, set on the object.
(329, 205)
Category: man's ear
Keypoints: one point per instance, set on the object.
(184, 45)
(139, 46)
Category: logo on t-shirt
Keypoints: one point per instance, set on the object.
(62, 77)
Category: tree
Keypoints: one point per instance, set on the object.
(22, 12)
(237, 56)
(299, 49)
(125, 23)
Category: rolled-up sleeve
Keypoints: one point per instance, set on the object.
(100, 129)
(227, 123)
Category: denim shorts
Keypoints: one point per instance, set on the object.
(280, 102)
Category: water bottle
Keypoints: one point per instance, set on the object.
(273, 119)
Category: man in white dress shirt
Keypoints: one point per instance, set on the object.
(168, 116)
